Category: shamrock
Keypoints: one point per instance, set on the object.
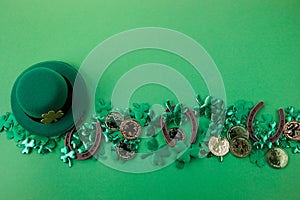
(264, 129)
(44, 144)
(133, 144)
(2, 122)
(76, 141)
(237, 114)
(257, 157)
(283, 142)
(111, 136)
(46, 147)
(152, 144)
(51, 116)
(150, 131)
(242, 108)
(103, 107)
(158, 153)
(140, 113)
(153, 125)
(295, 146)
(17, 133)
(291, 114)
(67, 156)
(204, 106)
(190, 153)
(7, 121)
(27, 145)
(173, 115)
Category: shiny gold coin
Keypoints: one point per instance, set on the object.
(113, 121)
(240, 147)
(130, 129)
(177, 134)
(237, 131)
(277, 158)
(124, 152)
(292, 130)
(218, 146)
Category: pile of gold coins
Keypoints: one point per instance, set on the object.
(238, 143)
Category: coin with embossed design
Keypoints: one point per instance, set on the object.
(240, 147)
(113, 121)
(277, 158)
(237, 131)
(292, 130)
(177, 134)
(130, 129)
(218, 146)
(124, 152)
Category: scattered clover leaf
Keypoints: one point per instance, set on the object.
(27, 145)
(67, 156)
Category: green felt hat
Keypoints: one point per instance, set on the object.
(41, 98)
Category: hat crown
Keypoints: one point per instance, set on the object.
(41, 90)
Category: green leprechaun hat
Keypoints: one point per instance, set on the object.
(41, 98)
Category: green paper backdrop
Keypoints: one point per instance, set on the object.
(255, 44)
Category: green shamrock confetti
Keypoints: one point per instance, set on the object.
(2, 122)
(152, 144)
(237, 114)
(103, 107)
(27, 145)
(160, 155)
(44, 144)
(7, 121)
(133, 144)
(67, 156)
(154, 124)
(191, 153)
(17, 133)
(257, 157)
(291, 114)
(204, 106)
(295, 145)
(140, 113)
(264, 129)
(173, 115)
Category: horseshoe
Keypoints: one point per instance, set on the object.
(90, 152)
(250, 121)
(189, 113)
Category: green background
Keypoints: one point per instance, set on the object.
(255, 44)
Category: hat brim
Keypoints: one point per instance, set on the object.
(70, 118)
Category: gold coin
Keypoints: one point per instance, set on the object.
(130, 129)
(237, 131)
(277, 158)
(124, 152)
(113, 121)
(292, 130)
(218, 146)
(240, 147)
(177, 134)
